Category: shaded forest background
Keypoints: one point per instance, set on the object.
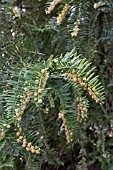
(29, 34)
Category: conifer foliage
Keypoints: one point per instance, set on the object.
(52, 100)
(35, 90)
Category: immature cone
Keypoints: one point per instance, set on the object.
(2, 134)
(17, 12)
(61, 116)
(62, 15)
(76, 28)
(52, 6)
(97, 5)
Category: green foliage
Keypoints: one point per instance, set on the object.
(35, 90)
(56, 103)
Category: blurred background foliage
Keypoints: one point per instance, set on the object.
(27, 34)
